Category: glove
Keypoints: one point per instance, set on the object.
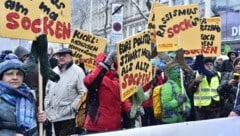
(137, 99)
(106, 64)
(110, 58)
(182, 99)
(198, 78)
(186, 112)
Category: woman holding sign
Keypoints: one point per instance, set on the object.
(105, 106)
(18, 113)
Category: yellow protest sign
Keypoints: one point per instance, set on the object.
(24, 19)
(177, 27)
(134, 63)
(151, 19)
(86, 47)
(210, 38)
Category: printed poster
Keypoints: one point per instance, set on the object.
(210, 38)
(86, 47)
(25, 19)
(134, 63)
(177, 27)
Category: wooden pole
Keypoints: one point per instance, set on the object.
(40, 97)
(182, 86)
(40, 88)
(181, 76)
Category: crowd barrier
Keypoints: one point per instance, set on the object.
(212, 127)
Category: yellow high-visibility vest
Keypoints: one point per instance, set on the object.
(205, 92)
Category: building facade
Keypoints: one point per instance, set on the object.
(134, 22)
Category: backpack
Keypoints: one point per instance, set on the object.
(157, 101)
(82, 111)
(89, 101)
(157, 105)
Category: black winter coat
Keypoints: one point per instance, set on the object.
(227, 94)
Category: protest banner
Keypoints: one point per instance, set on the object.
(151, 19)
(86, 47)
(24, 19)
(134, 65)
(177, 24)
(210, 38)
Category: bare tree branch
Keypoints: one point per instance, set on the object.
(84, 18)
(80, 13)
(139, 10)
(106, 19)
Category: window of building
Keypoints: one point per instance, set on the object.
(133, 30)
(166, 3)
(139, 28)
(137, 1)
(177, 2)
(229, 13)
(129, 7)
(125, 11)
(195, 1)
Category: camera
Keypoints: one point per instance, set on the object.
(236, 76)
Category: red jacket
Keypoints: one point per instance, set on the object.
(108, 115)
(160, 78)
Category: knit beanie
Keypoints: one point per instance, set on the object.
(236, 61)
(232, 51)
(10, 56)
(208, 59)
(20, 51)
(158, 62)
(10, 64)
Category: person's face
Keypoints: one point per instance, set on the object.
(237, 67)
(233, 56)
(24, 58)
(155, 69)
(13, 77)
(220, 61)
(209, 66)
(64, 58)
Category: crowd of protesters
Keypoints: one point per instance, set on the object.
(211, 92)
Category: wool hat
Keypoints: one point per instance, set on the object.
(208, 59)
(236, 61)
(10, 56)
(223, 57)
(232, 51)
(4, 54)
(10, 64)
(154, 62)
(20, 51)
(63, 51)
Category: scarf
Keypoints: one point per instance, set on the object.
(64, 67)
(23, 100)
(199, 64)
